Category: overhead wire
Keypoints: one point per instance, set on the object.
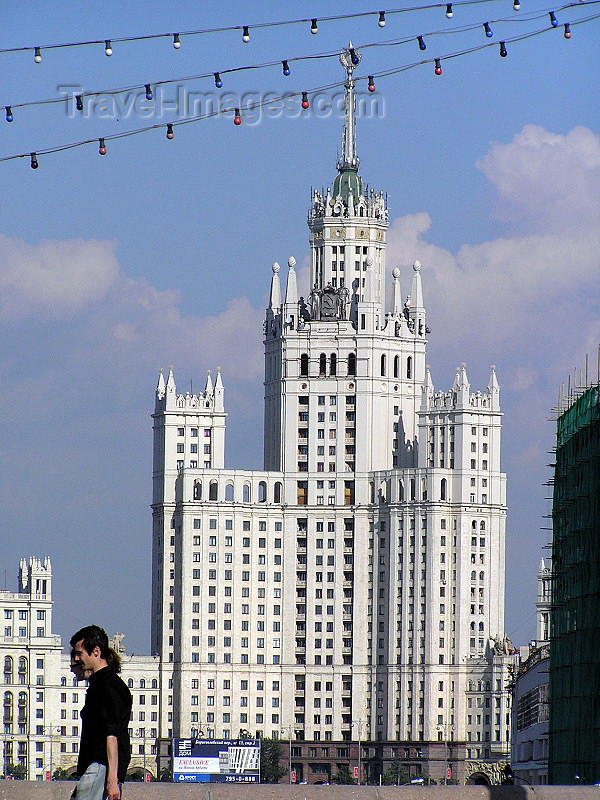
(253, 106)
(532, 16)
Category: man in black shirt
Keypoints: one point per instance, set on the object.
(104, 751)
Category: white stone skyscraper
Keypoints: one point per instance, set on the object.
(354, 589)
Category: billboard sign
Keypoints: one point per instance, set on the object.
(216, 760)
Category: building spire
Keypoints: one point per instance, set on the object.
(349, 59)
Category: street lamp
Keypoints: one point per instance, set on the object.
(141, 733)
(443, 728)
(359, 727)
(52, 729)
(7, 738)
(289, 730)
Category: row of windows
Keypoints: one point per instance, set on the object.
(193, 432)
(22, 632)
(9, 614)
(229, 496)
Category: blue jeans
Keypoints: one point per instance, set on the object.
(92, 784)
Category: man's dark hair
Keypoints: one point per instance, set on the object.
(92, 636)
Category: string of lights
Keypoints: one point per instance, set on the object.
(381, 17)
(239, 111)
(10, 107)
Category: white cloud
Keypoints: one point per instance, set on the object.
(54, 278)
(548, 182)
(517, 292)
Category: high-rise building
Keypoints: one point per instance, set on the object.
(574, 740)
(529, 741)
(354, 588)
(41, 699)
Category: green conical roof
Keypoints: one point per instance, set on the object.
(348, 180)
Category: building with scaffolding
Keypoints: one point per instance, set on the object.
(574, 739)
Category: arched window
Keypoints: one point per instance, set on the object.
(8, 711)
(23, 679)
(8, 669)
(322, 364)
(473, 575)
(197, 490)
(277, 492)
(423, 489)
(396, 366)
(213, 490)
(229, 493)
(400, 491)
(382, 365)
(304, 365)
(443, 489)
(333, 364)
(130, 683)
(142, 683)
(246, 493)
(482, 525)
(63, 681)
(409, 367)
(22, 703)
(352, 364)
(262, 492)
(481, 576)
(473, 629)
(154, 683)
(481, 627)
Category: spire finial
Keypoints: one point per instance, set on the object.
(349, 59)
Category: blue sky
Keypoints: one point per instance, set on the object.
(160, 252)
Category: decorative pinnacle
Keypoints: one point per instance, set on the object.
(349, 59)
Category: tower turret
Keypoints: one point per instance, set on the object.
(347, 223)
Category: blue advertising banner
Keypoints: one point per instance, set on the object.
(216, 760)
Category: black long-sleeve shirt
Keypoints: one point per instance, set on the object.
(105, 713)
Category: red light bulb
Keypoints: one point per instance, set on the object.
(237, 120)
(438, 67)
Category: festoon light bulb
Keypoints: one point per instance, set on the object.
(371, 85)
(246, 34)
(176, 42)
(421, 41)
(449, 12)
(37, 54)
(237, 120)
(381, 20)
(108, 47)
(438, 67)
(488, 31)
(102, 147)
(314, 27)
(170, 134)
(305, 103)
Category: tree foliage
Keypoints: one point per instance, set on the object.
(17, 771)
(271, 770)
(61, 774)
(343, 775)
(395, 775)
